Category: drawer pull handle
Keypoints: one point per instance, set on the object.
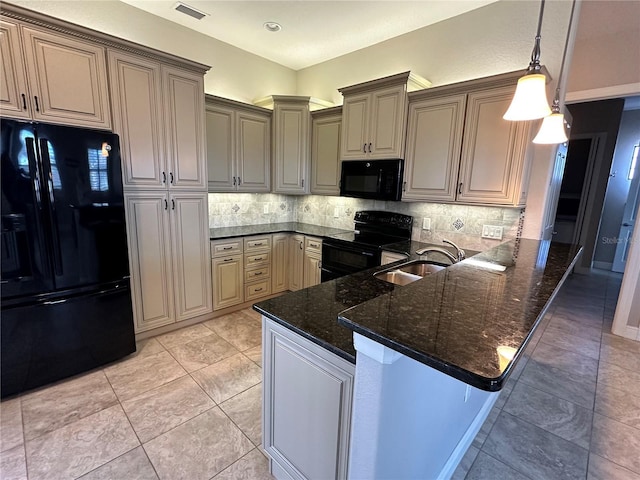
(314, 245)
(37, 106)
(258, 258)
(227, 248)
(24, 101)
(257, 244)
(257, 273)
(164, 177)
(228, 259)
(258, 289)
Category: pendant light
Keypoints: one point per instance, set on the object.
(530, 100)
(554, 127)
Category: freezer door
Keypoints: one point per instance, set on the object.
(85, 214)
(60, 337)
(24, 262)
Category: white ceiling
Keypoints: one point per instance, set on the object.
(312, 31)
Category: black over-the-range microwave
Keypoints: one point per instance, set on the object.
(373, 179)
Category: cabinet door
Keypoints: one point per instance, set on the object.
(190, 236)
(493, 150)
(355, 117)
(388, 123)
(184, 128)
(307, 395)
(136, 95)
(227, 281)
(150, 259)
(291, 148)
(434, 141)
(253, 152)
(220, 148)
(280, 263)
(296, 262)
(15, 100)
(312, 264)
(67, 78)
(325, 155)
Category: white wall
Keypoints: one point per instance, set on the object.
(235, 73)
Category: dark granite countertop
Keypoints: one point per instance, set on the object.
(294, 227)
(454, 320)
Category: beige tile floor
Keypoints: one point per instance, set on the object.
(187, 405)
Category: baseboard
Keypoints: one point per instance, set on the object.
(603, 265)
(627, 331)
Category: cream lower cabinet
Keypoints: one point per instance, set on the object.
(58, 78)
(296, 262)
(257, 267)
(280, 263)
(312, 261)
(227, 273)
(306, 417)
(169, 257)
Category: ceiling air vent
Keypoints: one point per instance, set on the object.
(188, 10)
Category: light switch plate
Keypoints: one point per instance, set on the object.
(492, 231)
(426, 223)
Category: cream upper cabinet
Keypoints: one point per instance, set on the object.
(66, 77)
(374, 117)
(291, 136)
(159, 115)
(136, 93)
(15, 100)
(493, 167)
(434, 142)
(184, 128)
(238, 146)
(460, 149)
(169, 257)
(325, 151)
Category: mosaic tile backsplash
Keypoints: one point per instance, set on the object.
(459, 223)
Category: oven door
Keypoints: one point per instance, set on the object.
(339, 259)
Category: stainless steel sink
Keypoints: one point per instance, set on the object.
(408, 272)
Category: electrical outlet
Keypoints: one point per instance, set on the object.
(426, 223)
(265, 209)
(336, 212)
(492, 231)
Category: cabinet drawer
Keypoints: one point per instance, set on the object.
(313, 244)
(227, 247)
(257, 290)
(256, 259)
(257, 274)
(254, 244)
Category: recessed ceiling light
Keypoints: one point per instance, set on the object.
(272, 26)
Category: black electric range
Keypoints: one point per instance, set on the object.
(347, 253)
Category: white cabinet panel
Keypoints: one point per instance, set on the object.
(325, 154)
(228, 283)
(307, 395)
(355, 118)
(253, 152)
(291, 133)
(388, 122)
(220, 148)
(280, 263)
(15, 100)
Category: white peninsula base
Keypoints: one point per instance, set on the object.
(409, 421)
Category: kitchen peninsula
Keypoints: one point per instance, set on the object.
(428, 369)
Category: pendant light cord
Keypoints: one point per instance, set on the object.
(556, 100)
(534, 65)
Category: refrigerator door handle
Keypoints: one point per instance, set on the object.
(53, 222)
(33, 168)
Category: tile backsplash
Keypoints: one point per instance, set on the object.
(459, 223)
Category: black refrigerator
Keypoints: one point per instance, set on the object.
(66, 298)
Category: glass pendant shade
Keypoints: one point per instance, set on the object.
(530, 100)
(552, 130)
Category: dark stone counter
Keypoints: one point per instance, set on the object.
(452, 320)
(292, 227)
(455, 320)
